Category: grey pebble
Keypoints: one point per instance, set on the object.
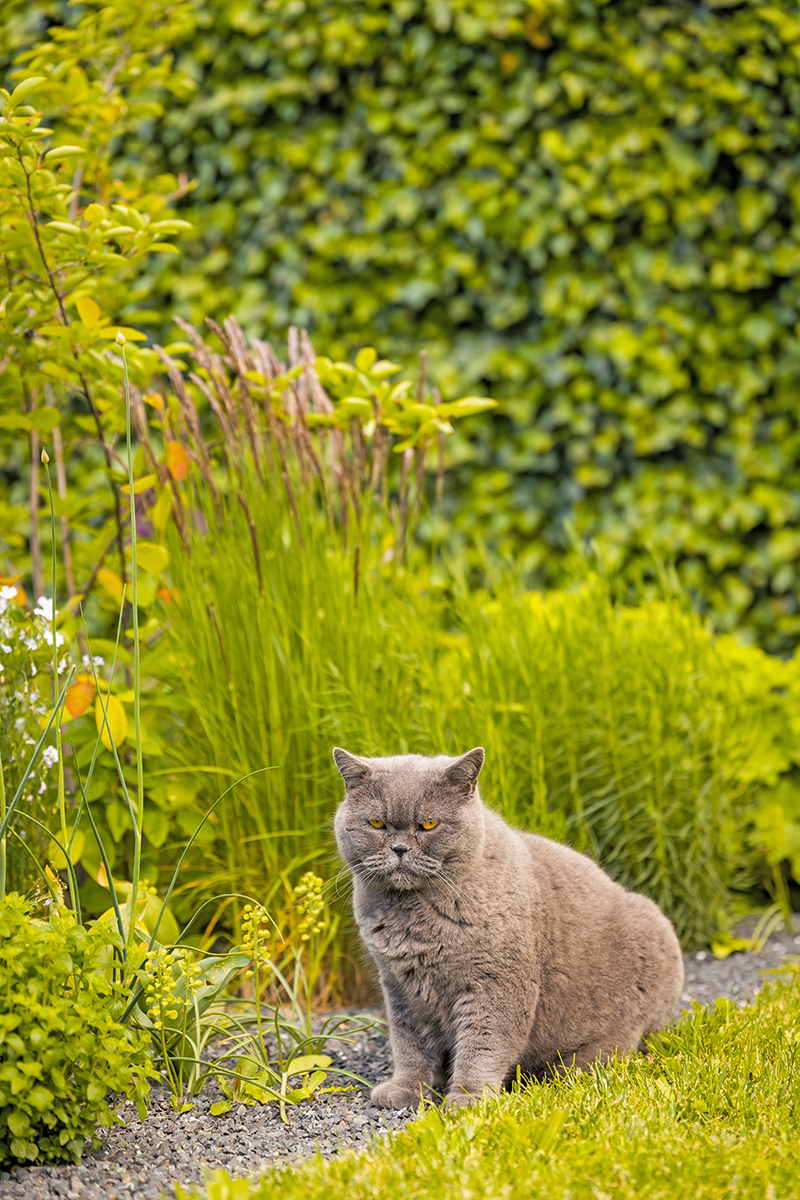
(142, 1161)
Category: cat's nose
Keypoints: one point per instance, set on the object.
(400, 848)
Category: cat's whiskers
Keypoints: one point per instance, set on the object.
(332, 890)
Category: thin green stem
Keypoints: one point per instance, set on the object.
(137, 723)
(134, 604)
(62, 807)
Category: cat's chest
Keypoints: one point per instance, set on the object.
(416, 937)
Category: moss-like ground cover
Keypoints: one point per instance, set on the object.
(712, 1111)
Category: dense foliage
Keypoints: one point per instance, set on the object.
(61, 1045)
(74, 235)
(284, 602)
(586, 209)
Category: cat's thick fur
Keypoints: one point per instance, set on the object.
(495, 948)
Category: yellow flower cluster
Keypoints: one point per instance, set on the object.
(256, 935)
(162, 992)
(310, 904)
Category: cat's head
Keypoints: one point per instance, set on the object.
(407, 822)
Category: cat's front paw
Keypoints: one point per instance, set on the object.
(397, 1094)
(460, 1099)
(460, 1096)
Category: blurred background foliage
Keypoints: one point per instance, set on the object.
(587, 210)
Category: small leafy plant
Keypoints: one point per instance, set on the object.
(62, 1046)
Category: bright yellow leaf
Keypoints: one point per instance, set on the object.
(111, 582)
(88, 311)
(76, 850)
(159, 513)
(152, 557)
(130, 335)
(140, 485)
(117, 721)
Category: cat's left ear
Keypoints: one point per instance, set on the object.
(463, 773)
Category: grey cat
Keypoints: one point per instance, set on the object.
(495, 948)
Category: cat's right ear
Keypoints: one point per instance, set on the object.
(351, 768)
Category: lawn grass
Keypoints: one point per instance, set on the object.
(713, 1110)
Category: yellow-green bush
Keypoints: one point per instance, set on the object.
(62, 1047)
(591, 209)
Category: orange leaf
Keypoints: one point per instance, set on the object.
(154, 400)
(79, 697)
(177, 461)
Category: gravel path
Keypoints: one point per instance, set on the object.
(141, 1161)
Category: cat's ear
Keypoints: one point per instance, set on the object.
(463, 773)
(351, 768)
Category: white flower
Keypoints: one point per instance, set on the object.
(62, 666)
(44, 609)
(49, 756)
(42, 787)
(6, 648)
(47, 636)
(31, 643)
(95, 658)
(7, 594)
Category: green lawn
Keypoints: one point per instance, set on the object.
(712, 1111)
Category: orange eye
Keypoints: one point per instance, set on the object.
(428, 824)
(376, 824)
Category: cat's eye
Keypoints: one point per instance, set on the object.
(376, 824)
(428, 824)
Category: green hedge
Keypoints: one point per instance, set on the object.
(590, 208)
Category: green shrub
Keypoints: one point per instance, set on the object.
(586, 209)
(76, 228)
(62, 1048)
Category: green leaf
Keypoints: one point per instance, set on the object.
(307, 1062)
(18, 1123)
(220, 1107)
(365, 358)
(469, 406)
(24, 89)
(57, 154)
(43, 420)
